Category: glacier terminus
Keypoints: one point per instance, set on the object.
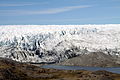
(55, 43)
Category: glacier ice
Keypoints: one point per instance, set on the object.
(54, 43)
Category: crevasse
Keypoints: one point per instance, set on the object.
(54, 43)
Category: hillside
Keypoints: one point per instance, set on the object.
(93, 59)
(12, 70)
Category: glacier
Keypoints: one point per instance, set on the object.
(55, 43)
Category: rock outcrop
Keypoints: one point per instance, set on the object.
(93, 59)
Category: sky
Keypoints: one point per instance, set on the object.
(59, 12)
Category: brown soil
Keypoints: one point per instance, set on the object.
(11, 70)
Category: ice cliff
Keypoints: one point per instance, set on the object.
(54, 43)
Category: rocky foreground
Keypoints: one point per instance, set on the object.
(11, 70)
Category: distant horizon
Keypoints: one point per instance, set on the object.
(65, 24)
